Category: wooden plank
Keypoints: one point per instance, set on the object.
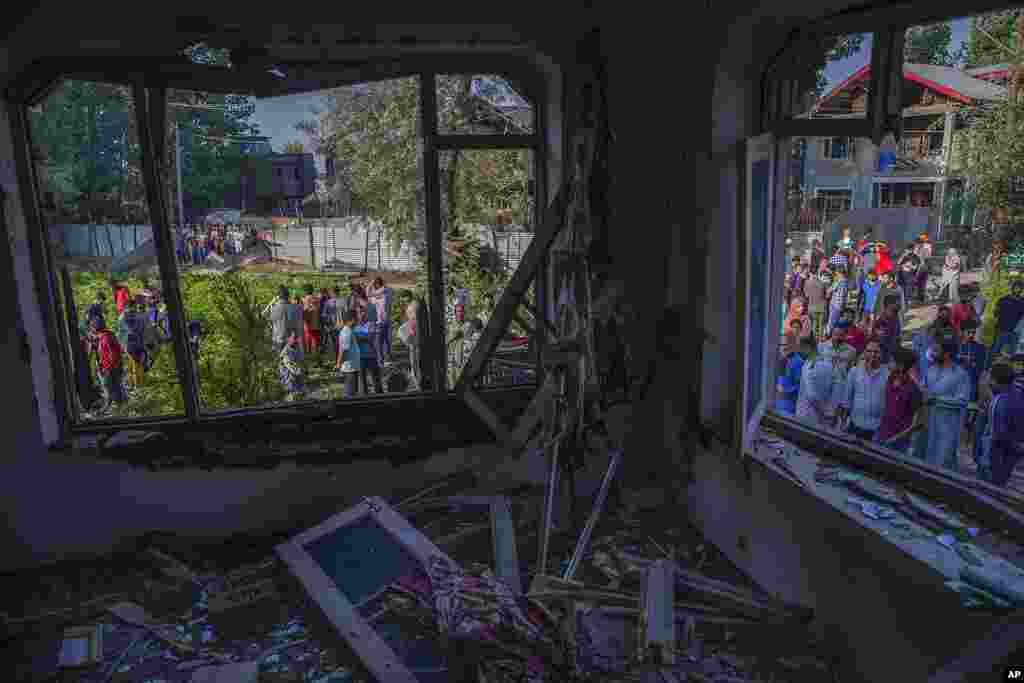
(484, 412)
(516, 289)
(982, 656)
(503, 534)
(659, 625)
(438, 350)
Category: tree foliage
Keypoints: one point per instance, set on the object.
(991, 150)
(85, 134)
(982, 50)
(932, 44)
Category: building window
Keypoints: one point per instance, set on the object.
(900, 195)
(230, 347)
(833, 203)
(837, 148)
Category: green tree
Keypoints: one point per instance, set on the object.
(932, 44)
(985, 50)
(85, 134)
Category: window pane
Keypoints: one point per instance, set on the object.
(488, 207)
(843, 78)
(88, 160)
(482, 105)
(259, 208)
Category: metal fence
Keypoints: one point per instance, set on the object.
(73, 240)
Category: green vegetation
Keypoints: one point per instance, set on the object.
(237, 365)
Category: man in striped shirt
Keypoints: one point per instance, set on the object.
(863, 398)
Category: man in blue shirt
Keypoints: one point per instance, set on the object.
(1006, 430)
(1009, 311)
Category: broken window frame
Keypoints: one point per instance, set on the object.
(336, 607)
(150, 78)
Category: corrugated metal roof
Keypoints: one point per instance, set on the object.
(957, 80)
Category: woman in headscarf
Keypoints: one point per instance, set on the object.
(951, 269)
(798, 311)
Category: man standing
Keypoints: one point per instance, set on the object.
(132, 335)
(904, 402)
(1009, 311)
(1005, 434)
(381, 298)
(863, 397)
(973, 355)
(837, 299)
(815, 289)
(843, 355)
(888, 328)
(948, 389)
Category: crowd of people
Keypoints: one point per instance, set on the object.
(353, 331)
(195, 243)
(845, 364)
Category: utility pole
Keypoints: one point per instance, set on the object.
(177, 168)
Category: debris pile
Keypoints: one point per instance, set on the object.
(639, 600)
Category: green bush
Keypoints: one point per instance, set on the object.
(993, 290)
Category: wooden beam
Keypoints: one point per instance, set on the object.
(535, 412)
(503, 535)
(823, 127)
(484, 412)
(659, 625)
(514, 291)
(169, 282)
(438, 351)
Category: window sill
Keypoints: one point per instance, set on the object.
(400, 429)
(808, 448)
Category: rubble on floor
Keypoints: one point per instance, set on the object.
(649, 600)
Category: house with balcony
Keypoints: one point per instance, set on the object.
(838, 174)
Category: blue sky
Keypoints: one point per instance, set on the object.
(836, 72)
(277, 117)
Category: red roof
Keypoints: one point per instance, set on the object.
(952, 83)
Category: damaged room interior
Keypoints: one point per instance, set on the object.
(591, 346)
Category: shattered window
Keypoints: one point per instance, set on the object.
(471, 104)
(108, 285)
(488, 210)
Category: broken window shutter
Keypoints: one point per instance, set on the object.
(885, 106)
